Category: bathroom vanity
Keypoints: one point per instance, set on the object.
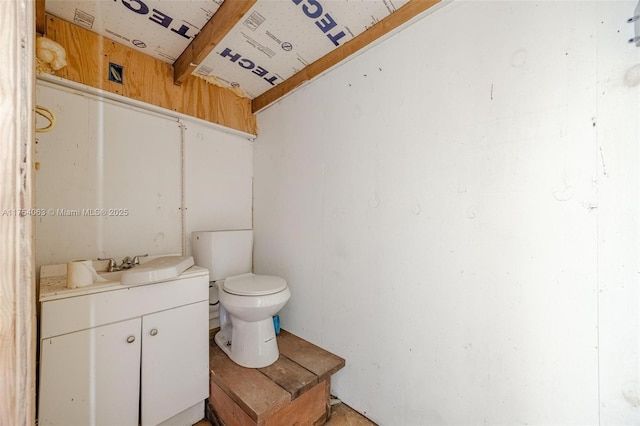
(123, 355)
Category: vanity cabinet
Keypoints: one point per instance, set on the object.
(124, 356)
(86, 374)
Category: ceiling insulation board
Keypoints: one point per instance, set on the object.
(159, 28)
(277, 38)
(272, 42)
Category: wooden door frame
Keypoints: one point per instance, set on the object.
(17, 273)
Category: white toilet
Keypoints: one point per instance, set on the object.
(247, 301)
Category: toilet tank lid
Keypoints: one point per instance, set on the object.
(254, 285)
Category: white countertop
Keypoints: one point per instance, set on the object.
(53, 281)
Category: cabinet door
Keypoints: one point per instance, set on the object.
(175, 361)
(91, 377)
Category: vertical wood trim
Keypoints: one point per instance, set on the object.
(383, 27)
(41, 24)
(225, 18)
(17, 275)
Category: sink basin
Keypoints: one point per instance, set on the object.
(156, 270)
(110, 276)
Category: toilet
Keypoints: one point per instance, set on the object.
(248, 301)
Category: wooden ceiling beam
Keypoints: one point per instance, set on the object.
(41, 20)
(225, 18)
(384, 26)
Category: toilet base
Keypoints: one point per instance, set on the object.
(251, 344)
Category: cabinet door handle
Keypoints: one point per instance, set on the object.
(153, 332)
(131, 339)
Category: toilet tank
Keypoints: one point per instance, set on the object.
(223, 253)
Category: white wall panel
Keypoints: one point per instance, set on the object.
(106, 156)
(436, 206)
(218, 180)
(618, 128)
(142, 170)
(63, 164)
(113, 156)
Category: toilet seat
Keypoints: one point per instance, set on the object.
(254, 285)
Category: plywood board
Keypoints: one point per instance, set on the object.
(145, 78)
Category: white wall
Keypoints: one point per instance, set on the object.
(102, 155)
(219, 180)
(105, 154)
(456, 213)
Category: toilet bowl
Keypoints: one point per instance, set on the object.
(247, 305)
(247, 301)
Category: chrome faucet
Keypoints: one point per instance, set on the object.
(128, 262)
(112, 266)
(136, 259)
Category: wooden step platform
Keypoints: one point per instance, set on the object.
(293, 390)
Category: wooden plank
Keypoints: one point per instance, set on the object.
(17, 274)
(41, 24)
(327, 403)
(384, 26)
(290, 376)
(145, 78)
(225, 18)
(310, 408)
(258, 396)
(315, 359)
(226, 411)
